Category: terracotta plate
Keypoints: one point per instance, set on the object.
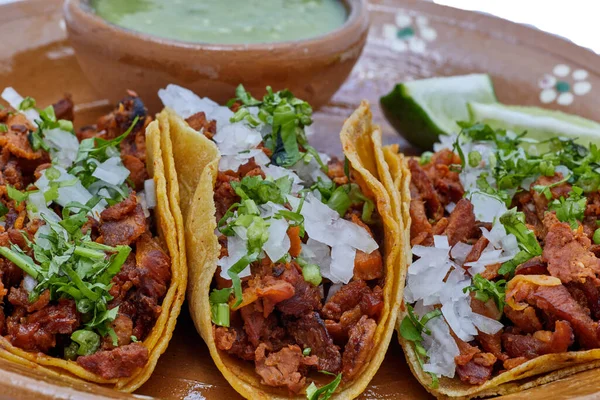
(408, 40)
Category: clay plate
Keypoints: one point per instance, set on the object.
(408, 40)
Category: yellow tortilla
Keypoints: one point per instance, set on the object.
(196, 162)
(159, 336)
(541, 370)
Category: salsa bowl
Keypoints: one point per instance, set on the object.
(113, 57)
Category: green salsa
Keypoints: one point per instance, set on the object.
(225, 21)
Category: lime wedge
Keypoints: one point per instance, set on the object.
(424, 109)
(540, 123)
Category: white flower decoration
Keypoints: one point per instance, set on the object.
(558, 85)
(409, 34)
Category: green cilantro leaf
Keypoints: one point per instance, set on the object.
(325, 392)
(412, 329)
(88, 341)
(3, 209)
(219, 307)
(514, 222)
(571, 209)
(425, 158)
(263, 190)
(16, 194)
(310, 272)
(287, 116)
(245, 97)
(485, 289)
(545, 189)
(27, 103)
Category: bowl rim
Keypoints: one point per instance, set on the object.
(356, 21)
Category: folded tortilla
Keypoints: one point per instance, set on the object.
(535, 372)
(169, 223)
(196, 160)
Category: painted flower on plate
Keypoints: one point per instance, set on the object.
(563, 85)
(409, 33)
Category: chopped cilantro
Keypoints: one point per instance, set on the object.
(545, 189)
(425, 158)
(514, 222)
(244, 97)
(71, 265)
(3, 128)
(347, 167)
(547, 168)
(456, 147)
(263, 190)
(219, 307)
(325, 392)
(27, 103)
(325, 187)
(233, 272)
(310, 272)
(287, 115)
(474, 158)
(306, 352)
(340, 200)
(485, 289)
(596, 237)
(88, 342)
(3, 209)
(16, 194)
(412, 328)
(91, 153)
(570, 209)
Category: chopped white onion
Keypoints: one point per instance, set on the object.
(485, 324)
(141, 199)
(63, 146)
(325, 225)
(441, 242)
(29, 283)
(150, 192)
(70, 193)
(111, 171)
(342, 263)
(310, 171)
(185, 102)
(333, 289)
(441, 348)
(236, 249)
(233, 162)
(460, 251)
(317, 253)
(14, 99)
(269, 209)
(563, 170)
(277, 172)
(38, 207)
(278, 243)
(487, 207)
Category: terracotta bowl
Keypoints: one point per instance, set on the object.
(115, 59)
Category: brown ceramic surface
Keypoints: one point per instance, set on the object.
(114, 57)
(37, 60)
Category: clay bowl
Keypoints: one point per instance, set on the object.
(115, 59)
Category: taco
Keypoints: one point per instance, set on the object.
(502, 293)
(91, 278)
(294, 257)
